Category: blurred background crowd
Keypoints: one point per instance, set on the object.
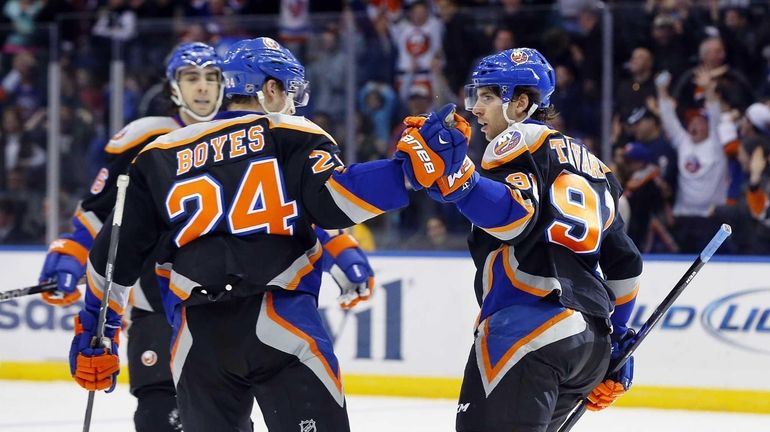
(690, 83)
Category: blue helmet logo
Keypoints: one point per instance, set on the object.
(510, 69)
(249, 63)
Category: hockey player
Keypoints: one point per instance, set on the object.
(556, 276)
(194, 76)
(227, 206)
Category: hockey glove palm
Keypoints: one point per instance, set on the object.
(433, 147)
(615, 384)
(66, 264)
(95, 368)
(350, 268)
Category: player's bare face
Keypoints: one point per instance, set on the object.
(200, 89)
(489, 113)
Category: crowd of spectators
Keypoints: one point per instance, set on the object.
(690, 136)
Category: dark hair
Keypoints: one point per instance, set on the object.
(541, 114)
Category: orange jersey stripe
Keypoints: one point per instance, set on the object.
(356, 200)
(182, 325)
(271, 312)
(136, 142)
(628, 297)
(517, 283)
(82, 218)
(156, 145)
(98, 294)
(492, 372)
(304, 270)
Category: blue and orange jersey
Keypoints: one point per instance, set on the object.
(234, 201)
(547, 229)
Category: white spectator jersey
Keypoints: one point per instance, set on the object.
(417, 45)
(703, 177)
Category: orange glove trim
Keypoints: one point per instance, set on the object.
(463, 126)
(337, 244)
(354, 302)
(455, 181)
(415, 121)
(56, 299)
(71, 248)
(604, 395)
(428, 166)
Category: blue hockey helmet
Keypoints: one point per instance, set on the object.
(249, 63)
(510, 69)
(198, 55)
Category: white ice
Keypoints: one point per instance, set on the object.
(59, 406)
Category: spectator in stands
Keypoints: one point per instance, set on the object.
(22, 85)
(419, 101)
(327, 71)
(669, 45)
(115, 22)
(577, 111)
(418, 39)
(647, 193)
(377, 102)
(20, 150)
(633, 91)
(523, 20)
(22, 15)
(703, 180)
(436, 237)
(712, 56)
(460, 40)
(377, 53)
(11, 232)
(645, 129)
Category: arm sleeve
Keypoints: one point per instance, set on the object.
(339, 197)
(670, 121)
(139, 232)
(621, 263)
(501, 210)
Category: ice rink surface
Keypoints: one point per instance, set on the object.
(54, 407)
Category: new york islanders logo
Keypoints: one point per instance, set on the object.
(507, 142)
(519, 56)
(270, 43)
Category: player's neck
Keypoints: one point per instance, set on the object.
(187, 119)
(251, 106)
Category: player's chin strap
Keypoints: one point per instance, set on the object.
(179, 101)
(288, 104)
(531, 111)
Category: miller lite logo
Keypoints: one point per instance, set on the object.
(307, 426)
(270, 43)
(507, 143)
(519, 56)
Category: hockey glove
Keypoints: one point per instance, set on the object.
(95, 368)
(433, 147)
(456, 186)
(349, 267)
(65, 263)
(615, 384)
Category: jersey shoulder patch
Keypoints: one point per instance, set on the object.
(514, 141)
(298, 123)
(138, 132)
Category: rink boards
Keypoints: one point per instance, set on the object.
(710, 352)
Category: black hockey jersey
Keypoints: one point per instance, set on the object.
(233, 201)
(553, 231)
(120, 150)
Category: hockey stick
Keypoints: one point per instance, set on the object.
(21, 292)
(117, 218)
(700, 261)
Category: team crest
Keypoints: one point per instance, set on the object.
(149, 358)
(519, 56)
(269, 43)
(307, 426)
(507, 142)
(100, 180)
